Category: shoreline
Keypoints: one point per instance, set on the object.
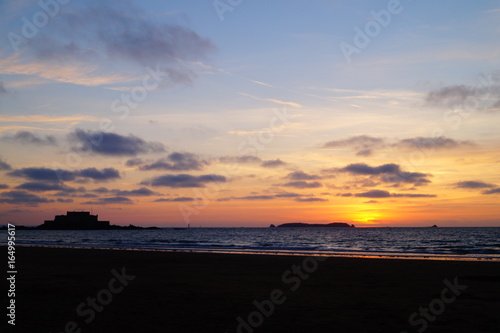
(363, 255)
(214, 292)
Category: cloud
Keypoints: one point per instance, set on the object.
(364, 169)
(88, 195)
(465, 97)
(112, 144)
(362, 144)
(179, 199)
(440, 142)
(4, 186)
(388, 173)
(386, 194)
(102, 43)
(44, 174)
(26, 137)
(402, 195)
(71, 191)
(64, 200)
(41, 187)
(310, 199)
(287, 195)
(450, 96)
(303, 184)
(240, 159)
(110, 201)
(101, 190)
(47, 119)
(184, 180)
(99, 175)
(272, 100)
(365, 145)
(300, 175)
(61, 175)
(177, 162)
(143, 191)
(134, 162)
(4, 165)
(295, 196)
(373, 194)
(256, 197)
(22, 198)
(272, 163)
(493, 191)
(371, 202)
(473, 184)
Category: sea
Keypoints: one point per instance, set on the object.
(420, 243)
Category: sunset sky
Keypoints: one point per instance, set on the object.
(247, 113)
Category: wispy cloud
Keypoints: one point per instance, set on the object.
(26, 137)
(184, 180)
(272, 100)
(176, 162)
(22, 198)
(386, 194)
(362, 144)
(365, 145)
(61, 175)
(493, 11)
(473, 184)
(493, 191)
(301, 175)
(303, 184)
(111, 144)
(387, 173)
(110, 201)
(76, 72)
(104, 43)
(284, 195)
(46, 119)
(178, 199)
(463, 96)
(273, 163)
(4, 165)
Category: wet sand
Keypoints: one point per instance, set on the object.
(67, 290)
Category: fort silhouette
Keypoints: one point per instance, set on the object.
(82, 221)
(75, 221)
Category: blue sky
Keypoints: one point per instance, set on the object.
(269, 80)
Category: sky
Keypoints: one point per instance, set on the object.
(236, 113)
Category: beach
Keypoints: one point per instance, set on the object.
(90, 290)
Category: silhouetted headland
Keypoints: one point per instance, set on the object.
(329, 225)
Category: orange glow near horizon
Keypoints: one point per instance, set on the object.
(212, 133)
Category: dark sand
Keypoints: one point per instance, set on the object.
(195, 292)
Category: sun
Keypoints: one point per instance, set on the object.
(370, 216)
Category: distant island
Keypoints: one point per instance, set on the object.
(80, 221)
(316, 225)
